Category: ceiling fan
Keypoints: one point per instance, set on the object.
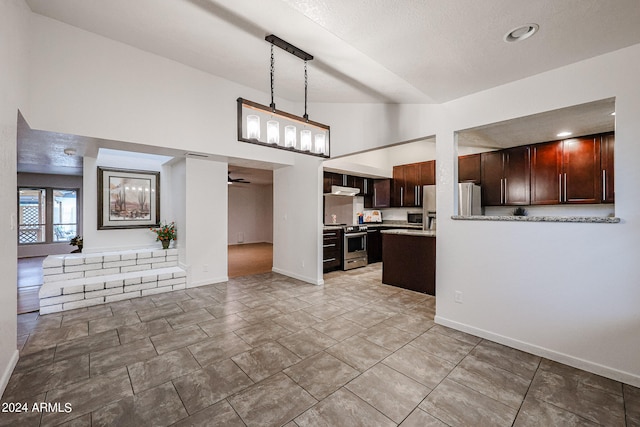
(236, 180)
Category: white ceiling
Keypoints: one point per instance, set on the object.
(585, 119)
(251, 175)
(410, 51)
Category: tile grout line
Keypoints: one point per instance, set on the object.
(527, 392)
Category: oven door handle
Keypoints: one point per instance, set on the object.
(358, 234)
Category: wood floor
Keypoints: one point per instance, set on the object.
(28, 282)
(250, 258)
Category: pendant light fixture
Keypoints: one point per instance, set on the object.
(283, 130)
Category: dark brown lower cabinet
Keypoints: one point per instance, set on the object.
(331, 250)
(409, 262)
(374, 245)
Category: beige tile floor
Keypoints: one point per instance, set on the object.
(267, 350)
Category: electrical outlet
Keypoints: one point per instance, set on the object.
(205, 268)
(458, 297)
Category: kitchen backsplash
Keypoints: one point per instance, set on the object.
(345, 208)
(397, 214)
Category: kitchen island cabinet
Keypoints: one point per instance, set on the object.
(409, 260)
(374, 245)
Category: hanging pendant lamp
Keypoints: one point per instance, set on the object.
(281, 129)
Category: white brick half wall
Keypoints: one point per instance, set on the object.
(78, 280)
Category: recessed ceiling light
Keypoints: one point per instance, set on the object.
(561, 134)
(520, 33)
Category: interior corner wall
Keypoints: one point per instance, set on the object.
(177, 187)
(250, 213)
(359, 127)
(206, 221)
(14, 45)
(297, 220)
(565, 291)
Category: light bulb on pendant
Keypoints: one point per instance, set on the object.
(290, 136)
(253, 127)
(273, 132)
(305, 140)
(319, 143)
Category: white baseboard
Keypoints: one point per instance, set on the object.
(4, 380)
(208, 282)
(313, 281)
(576, 362)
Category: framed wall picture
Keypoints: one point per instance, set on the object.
(128, 198)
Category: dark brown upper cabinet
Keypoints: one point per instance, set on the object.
(606, 165)
(408, 181)
(380, 196)
(405, 183)
(427, 173)
(469, 169)
(505, 177)
(356, 182)
(331, 178)
(566, 171)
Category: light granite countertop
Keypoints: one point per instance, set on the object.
(373, 225)
(583, 219)
(406, 232)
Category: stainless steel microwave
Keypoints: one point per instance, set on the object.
(414, 217)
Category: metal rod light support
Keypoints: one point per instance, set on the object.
(275, 40)
(273, 70)
(314, 138)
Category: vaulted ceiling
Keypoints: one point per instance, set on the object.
(403, 51)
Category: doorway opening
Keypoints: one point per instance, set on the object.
(250, 221)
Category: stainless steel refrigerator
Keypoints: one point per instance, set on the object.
(469, 199)
(429, 207)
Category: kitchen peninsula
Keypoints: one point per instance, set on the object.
(409, 259)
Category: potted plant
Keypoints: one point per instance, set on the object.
(165, 234)
(76, 241)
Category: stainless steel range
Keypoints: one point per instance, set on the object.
(355, 247)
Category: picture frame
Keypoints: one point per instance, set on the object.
(128, 198)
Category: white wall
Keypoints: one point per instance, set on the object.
(178, 172)
(103, 240)
(85, 84)
(206, 221)
(297, 219)
(380, 162)
(14, 43)
(565, 291)
(359, 127)
(250, 213)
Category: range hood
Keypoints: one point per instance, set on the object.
(338, 190)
